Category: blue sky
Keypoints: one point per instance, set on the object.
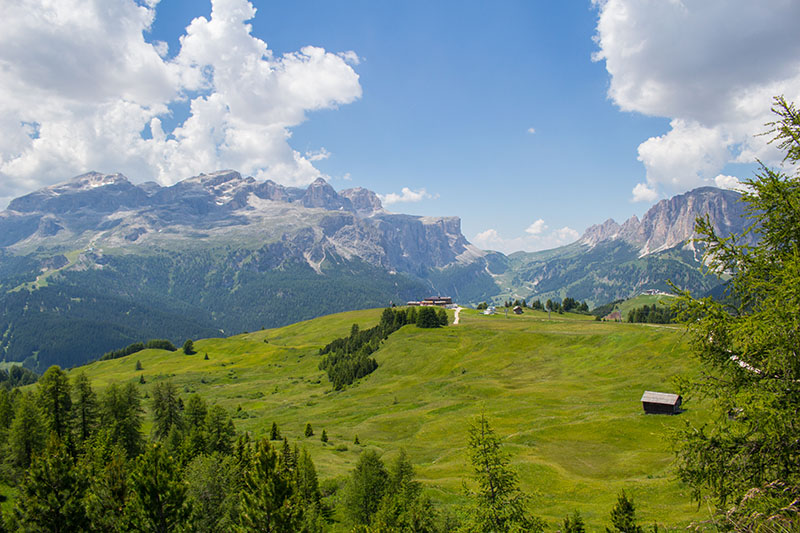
(530, 120)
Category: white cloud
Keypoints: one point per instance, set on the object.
(532, 242)
(82, 74)
(531, 130)
(712, 66)
(537, 227)
(643, 193)
(317, 155)
(730, 182)
(406, 195)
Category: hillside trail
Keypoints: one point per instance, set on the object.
(455, 320)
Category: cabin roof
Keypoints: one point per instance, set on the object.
(665, 398)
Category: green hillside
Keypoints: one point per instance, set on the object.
(564, 393)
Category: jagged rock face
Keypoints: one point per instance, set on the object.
(364, 201)
(224, 208)
(671, 222)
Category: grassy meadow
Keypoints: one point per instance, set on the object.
(563, 393)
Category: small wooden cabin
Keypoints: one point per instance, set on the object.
(517, 310)
(661, 403)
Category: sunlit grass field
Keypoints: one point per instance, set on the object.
(563, 393)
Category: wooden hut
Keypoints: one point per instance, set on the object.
(517, 310)
(661, 403)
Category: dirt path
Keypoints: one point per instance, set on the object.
(455, 320)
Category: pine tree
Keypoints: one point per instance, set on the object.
(121, 415)
(355, 441)
(55, 401)
(85, 408)
(220, 431)
(26, 436)
(497, 505)
(365, 488)
(212, 492)
(309, 495)
(623, 516)
(573, 523)
(166, 409)
(441, 316)
(6, 410)
(274, 432)
(107, 495)
(138, 365)
(309, 432)
(50, 497)
(324, 437)
(188, 347)
(158, 494)
(748, 348)
(266, 501)
(403, 507)
(194, 413)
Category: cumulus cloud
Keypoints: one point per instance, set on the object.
(643, 193)
(531, 130)
(406, 195)
(536, 228)
(712, 67)
(730, 182)
(82, 89)
(537, 238)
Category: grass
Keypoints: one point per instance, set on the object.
(642, 300)
(562, 392)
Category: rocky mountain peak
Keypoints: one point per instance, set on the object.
(670, 222)
(364, 202)
(321, 194)
(607, 231)
(93, 191)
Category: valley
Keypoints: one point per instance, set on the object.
(562, 393)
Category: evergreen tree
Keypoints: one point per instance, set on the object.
(748, 348)
(105, 466)
(497, 505)
(309, 494)
(55, 401)
(365, 488)
(274, 432)
(195, 412)
(188, 347)
(212, 492)
(158, 494)
(573, 523)
(309, 432)
(427, 318)
(220, 431)
(266, 500)
(6, 410)
(441, 315)
(51, 495)
(26, 436)
(403, 507)
(121, 415)
(166, 408)
(324, 437)
(138, 365)
(85, 408)
(623, 516)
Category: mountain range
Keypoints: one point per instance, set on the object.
(98, 262)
